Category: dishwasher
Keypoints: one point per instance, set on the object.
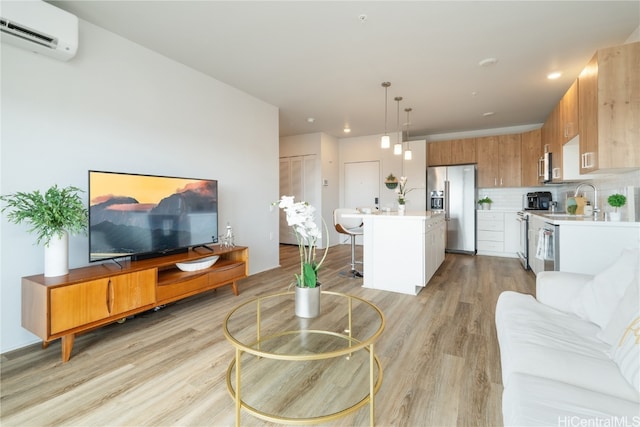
(549, 246)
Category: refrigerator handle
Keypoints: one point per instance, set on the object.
(446, 200)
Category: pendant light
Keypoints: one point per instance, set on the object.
(407, 154)
(397, 147)
(385, 141)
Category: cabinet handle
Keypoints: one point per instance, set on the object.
(589, 159)
(495, 182)
(500, 182)
(110, 297)
(540, 167)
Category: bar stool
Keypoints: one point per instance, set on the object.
(351, 227)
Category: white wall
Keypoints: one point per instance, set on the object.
(119, 107)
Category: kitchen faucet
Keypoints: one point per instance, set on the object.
(596, 210)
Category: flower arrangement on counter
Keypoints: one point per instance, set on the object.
(402, 190)
(301, 217)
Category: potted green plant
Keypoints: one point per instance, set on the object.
(485, 202)
(51, 216)
(391, 182)
(616, 201)
(301, 218)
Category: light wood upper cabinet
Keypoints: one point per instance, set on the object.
(453, 152)
(510, 160)
(609, 110)
(498, 159)
(552, 142)
(531, 152)
(439, 153)
(488, 158)
(569, 118)
(463, 151)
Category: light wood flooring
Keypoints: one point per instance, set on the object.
(439, 353)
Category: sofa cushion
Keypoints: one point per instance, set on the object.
(623, 333)
(538, 340)
(599, 298)
(536, 401)
(624, 313)
(627, 353)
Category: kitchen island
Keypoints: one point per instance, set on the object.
(402, 251)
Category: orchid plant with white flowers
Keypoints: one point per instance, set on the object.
(402, 190)
(301, 217)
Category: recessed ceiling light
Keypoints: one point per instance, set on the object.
(347, 130)
(488, 113)
(487, 62)
(554, 75)
(310, 120)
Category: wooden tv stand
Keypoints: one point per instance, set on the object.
(94, 296)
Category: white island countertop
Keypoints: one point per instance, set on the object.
(393, 215)
(401, 251)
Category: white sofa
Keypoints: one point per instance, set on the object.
(571, 356)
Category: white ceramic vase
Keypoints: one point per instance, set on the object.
(401, 209)
(56, 256)
(614, 216)
(307, 302)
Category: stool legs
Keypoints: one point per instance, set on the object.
(354, 272)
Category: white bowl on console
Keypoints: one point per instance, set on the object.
(198, 264)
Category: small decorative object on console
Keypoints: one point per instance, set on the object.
(199, 264)
(226, 240)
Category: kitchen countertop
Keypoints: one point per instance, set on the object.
(581, 220)
(409, 215)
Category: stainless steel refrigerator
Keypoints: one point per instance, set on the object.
(452, 189)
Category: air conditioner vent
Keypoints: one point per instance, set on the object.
(28, 34)
(40, 28)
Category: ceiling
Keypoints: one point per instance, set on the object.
(326, 60)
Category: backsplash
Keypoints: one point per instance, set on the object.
(625, 183)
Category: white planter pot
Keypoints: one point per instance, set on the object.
(307, 302)
(614, 216)
(56, 256)
(401, 209)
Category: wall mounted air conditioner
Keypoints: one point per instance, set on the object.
(39, 27)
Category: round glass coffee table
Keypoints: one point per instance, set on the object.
(293, 370)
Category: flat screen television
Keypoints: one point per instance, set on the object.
(142, 216)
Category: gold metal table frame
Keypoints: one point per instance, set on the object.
(352, 345)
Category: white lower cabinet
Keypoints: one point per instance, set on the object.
(435, 237)
(497, 233)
